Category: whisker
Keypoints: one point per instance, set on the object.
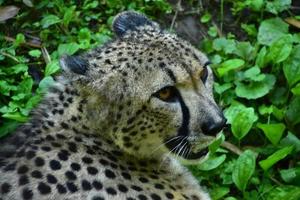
(157, 148)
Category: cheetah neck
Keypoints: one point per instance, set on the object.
(66, 108)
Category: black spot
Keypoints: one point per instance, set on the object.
(27, 194)
(72, 147)
(51, 179)
(64, 125)
(103, 162)
(143, 180)
(122, 188)
(155, 196)
(86, 185)
(75, 166)
(62, 156)
(136, 188)
(159, 186)
(22, 169)
(44, 188)
(30, 154)
(97, 185)
(126, 175)
(39, 161)
(142, 197)
(61, 189)
(109, 174)
(87, 160)
(23, 180)
(169, 195)
(36, 174)
(70, 175)
(55, 165)
(46, 148)
(92, 170)
(111, 191)
(5, 188)
(71, 187)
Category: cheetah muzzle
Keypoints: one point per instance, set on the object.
(115, 121)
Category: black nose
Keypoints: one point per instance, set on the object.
(212, 127)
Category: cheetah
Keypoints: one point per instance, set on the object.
(118, 123)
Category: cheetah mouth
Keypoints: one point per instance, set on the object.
(183, 148)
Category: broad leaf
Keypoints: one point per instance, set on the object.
(292, 113)
(243, 169)
(280, 49)
(275, 157)
(241, 119)
(49, 20)
(69, 48)
(272, 131)
(271, 30)
(255, 89)
(212, 163)
(229, 65)
(291, 67)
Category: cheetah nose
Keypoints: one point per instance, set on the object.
(212, 127)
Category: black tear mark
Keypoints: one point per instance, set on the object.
(184, 128)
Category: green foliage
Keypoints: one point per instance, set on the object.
(257, 82)
(64, 27)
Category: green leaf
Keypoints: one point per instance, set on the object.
(254, 74)
(35, 53)
(222, 88)
(245, 50)
(293, 110)
(49, 20)
(69, 15)
(280, 49)
(296, 90)
(277, 6)
(15, 116)
(223, 44)
(261, 60)
(211, 163)
(243, 169)
(275, 157)
(212, 31)
(255, 89)
(291, 175)
(45, 83)
(241, 119)
(291, 139)
(271, 30)
(20, 38)
(250, 29)
(206, 18)
(272, 131)
(7, 127)
(291, 67)
(214, 146)
(219, 192)
(69, 48)
(52, 68)
(284, 192)
(229, 65)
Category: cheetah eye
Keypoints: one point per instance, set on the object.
(204, 72)
(168, 94)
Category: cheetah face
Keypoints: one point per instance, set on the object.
(156, 87)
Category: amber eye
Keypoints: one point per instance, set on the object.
(167, 94)
(204, 72)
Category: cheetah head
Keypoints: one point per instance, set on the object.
(150, 89)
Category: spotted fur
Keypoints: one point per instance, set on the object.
(104, 132)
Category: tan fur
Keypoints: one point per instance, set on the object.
(104, 115)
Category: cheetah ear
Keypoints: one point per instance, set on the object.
(73, 64)
(130, 21)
